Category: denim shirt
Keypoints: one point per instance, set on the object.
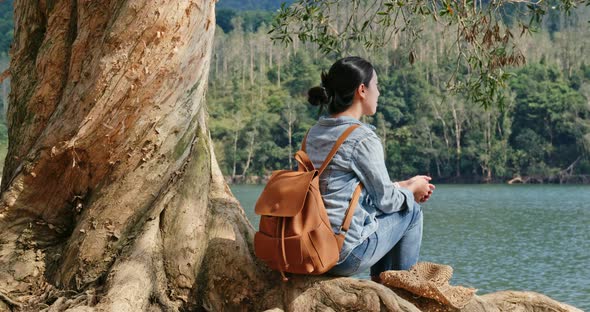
(359, 159)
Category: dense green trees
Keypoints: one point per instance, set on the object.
(240, 5)
(6, 28)
(257, 95)
(252, 12)
(544, 128)
(551, 119)
(250, 20)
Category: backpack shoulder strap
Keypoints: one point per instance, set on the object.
(348, 215)
(336, 146)
(304, 163)
(301, 156)
(304, 140)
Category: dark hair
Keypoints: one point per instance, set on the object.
(340, 83)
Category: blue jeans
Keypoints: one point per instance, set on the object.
(394, 246)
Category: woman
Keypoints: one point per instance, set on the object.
(386, 230)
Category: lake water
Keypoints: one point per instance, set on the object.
(499, 237)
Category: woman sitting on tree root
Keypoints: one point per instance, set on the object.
(386, 229)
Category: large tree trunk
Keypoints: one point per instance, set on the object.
(110, 183)
(111, 196)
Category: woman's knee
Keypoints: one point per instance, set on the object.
(416, 214)
(416, 209)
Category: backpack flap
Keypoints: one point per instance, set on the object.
(285, 193)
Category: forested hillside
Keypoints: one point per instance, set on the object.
(257, 101)
(6, 30)
(252, 13)
(241, 5)
(257, 98)
(5, 26)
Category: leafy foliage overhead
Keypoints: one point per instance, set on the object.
(483, 41)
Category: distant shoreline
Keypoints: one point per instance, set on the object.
(570, 180)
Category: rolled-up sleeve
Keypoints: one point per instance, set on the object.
(368, 163)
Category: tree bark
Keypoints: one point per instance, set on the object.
(235, 150)
(290, 116)
(438, 115)
(458, 119)
(436, 156)
(279, 61)
(251, 71)
(111, 196)
(252, 135)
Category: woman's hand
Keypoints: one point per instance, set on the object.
(420, 186)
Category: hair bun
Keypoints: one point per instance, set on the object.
(317, 96)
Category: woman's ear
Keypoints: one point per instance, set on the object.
(362, 90)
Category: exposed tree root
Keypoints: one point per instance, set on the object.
(4, 297)
(339, 294)
(521, 301)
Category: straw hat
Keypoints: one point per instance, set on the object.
(430, 280)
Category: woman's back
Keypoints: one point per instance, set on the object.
(359, 159)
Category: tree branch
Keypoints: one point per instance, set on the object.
(5, 74)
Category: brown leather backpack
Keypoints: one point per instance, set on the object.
(295, 234)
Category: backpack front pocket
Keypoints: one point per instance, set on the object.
(270, 250)
(325, 251)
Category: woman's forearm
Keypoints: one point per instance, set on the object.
(404, 184)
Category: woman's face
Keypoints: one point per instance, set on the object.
(369, 102)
